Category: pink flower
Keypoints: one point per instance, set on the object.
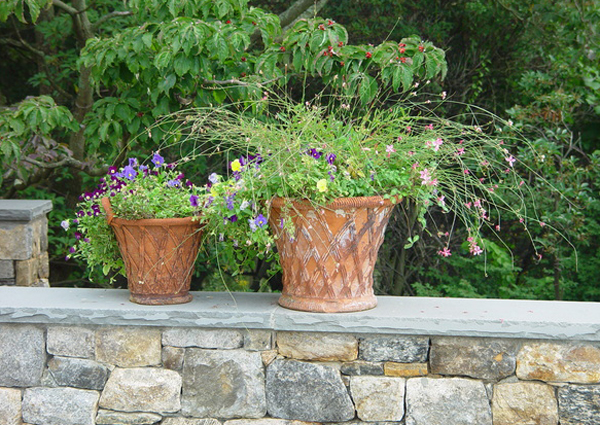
(425, 176)
(477, 203)
(429, 127)
(445, 252)
(521, 220)
(474, 249)
(460, 151)
(436, 145)
(497, 227)
(415, 165)
(410, 153)
(511, 160)
(390, 149)
(442, 200)
(466, 171)
(408, 129)
(468, 204)
(542, 224)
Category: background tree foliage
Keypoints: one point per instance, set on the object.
(81, 81)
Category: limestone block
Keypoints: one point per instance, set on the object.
(142, 390)
(189, 421)
(108, 417)
(401, 349)
(360, 367)
(307, 392)
(128, 347)
(71, 341)
(203, 338)
(405, 369)
(481, 358)
(559, 362)
(447, 401)
(78, 373)
(524, 403)
(172, 358)
(223, 384)
(26, 272)
(317, 346)
(10, 406)
(579, 404)
(22, 355)
(268, 356)
(60, 406)
(258, 340)
(378, 398)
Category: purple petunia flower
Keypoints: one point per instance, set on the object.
(129, 173)
(158, 160)
(213, 178)
(194, 200)
(260, 221)
(229, 201)
(133, 162)
(233, 218)
(112, 170)
(173, 183)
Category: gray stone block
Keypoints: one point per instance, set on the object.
(401, 349)
(223, 384)
(7, 269)
(446, 401)
(22, 355)
(108, 417)
(225, 339)
(128, 347)
(307, 392)
(482, 358)
(78, 373)
(142, 390)
(258, 340)
(361, 367)
(317, 346)
(524, 403)
(378, 398)
(579, 404)
(71, 341)
(22, 240)
(60, 406)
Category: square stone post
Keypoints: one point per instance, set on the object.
(24, 242)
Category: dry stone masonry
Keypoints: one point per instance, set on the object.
(55, 371)
(24, 242)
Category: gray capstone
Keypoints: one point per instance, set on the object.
(71, 341)
(78, 373)
(223, 384)
(447, 401)
(579, 405)
(401, 349)
(22, 355)
(60, 406)
(108, 417)
(307, 392)
(225, 339)
(360, 367)
(481, 358)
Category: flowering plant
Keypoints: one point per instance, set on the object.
(136, 191)
(316, 154)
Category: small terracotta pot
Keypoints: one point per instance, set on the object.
(328, 262)
(159, 256)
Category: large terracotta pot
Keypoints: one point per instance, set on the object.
(159, 256)
(328, 262)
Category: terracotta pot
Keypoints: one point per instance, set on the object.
(159, 256)
(328, 263)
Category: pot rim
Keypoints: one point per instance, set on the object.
(338, 203)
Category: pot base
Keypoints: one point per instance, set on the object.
(160, 299)
(319, 305)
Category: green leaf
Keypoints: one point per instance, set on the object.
(367, 89)
(182, 65)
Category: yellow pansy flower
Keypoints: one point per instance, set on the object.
(322, 185)
(236, 165)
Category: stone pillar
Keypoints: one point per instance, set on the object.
(24, 242)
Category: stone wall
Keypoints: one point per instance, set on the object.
(54, 371)
(24, 242)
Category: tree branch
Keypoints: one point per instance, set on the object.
(68, 162)
(69, 9)
(108, 16)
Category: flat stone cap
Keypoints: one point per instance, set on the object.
(518, 319)
(23, 209)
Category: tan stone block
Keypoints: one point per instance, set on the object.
(268, 356)
(26, 272)
(559, 362)
(524, 403)
(43, 265)
(22, 241)
(128, 347)
(405, 369)
(10, 406)
(317, 346)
